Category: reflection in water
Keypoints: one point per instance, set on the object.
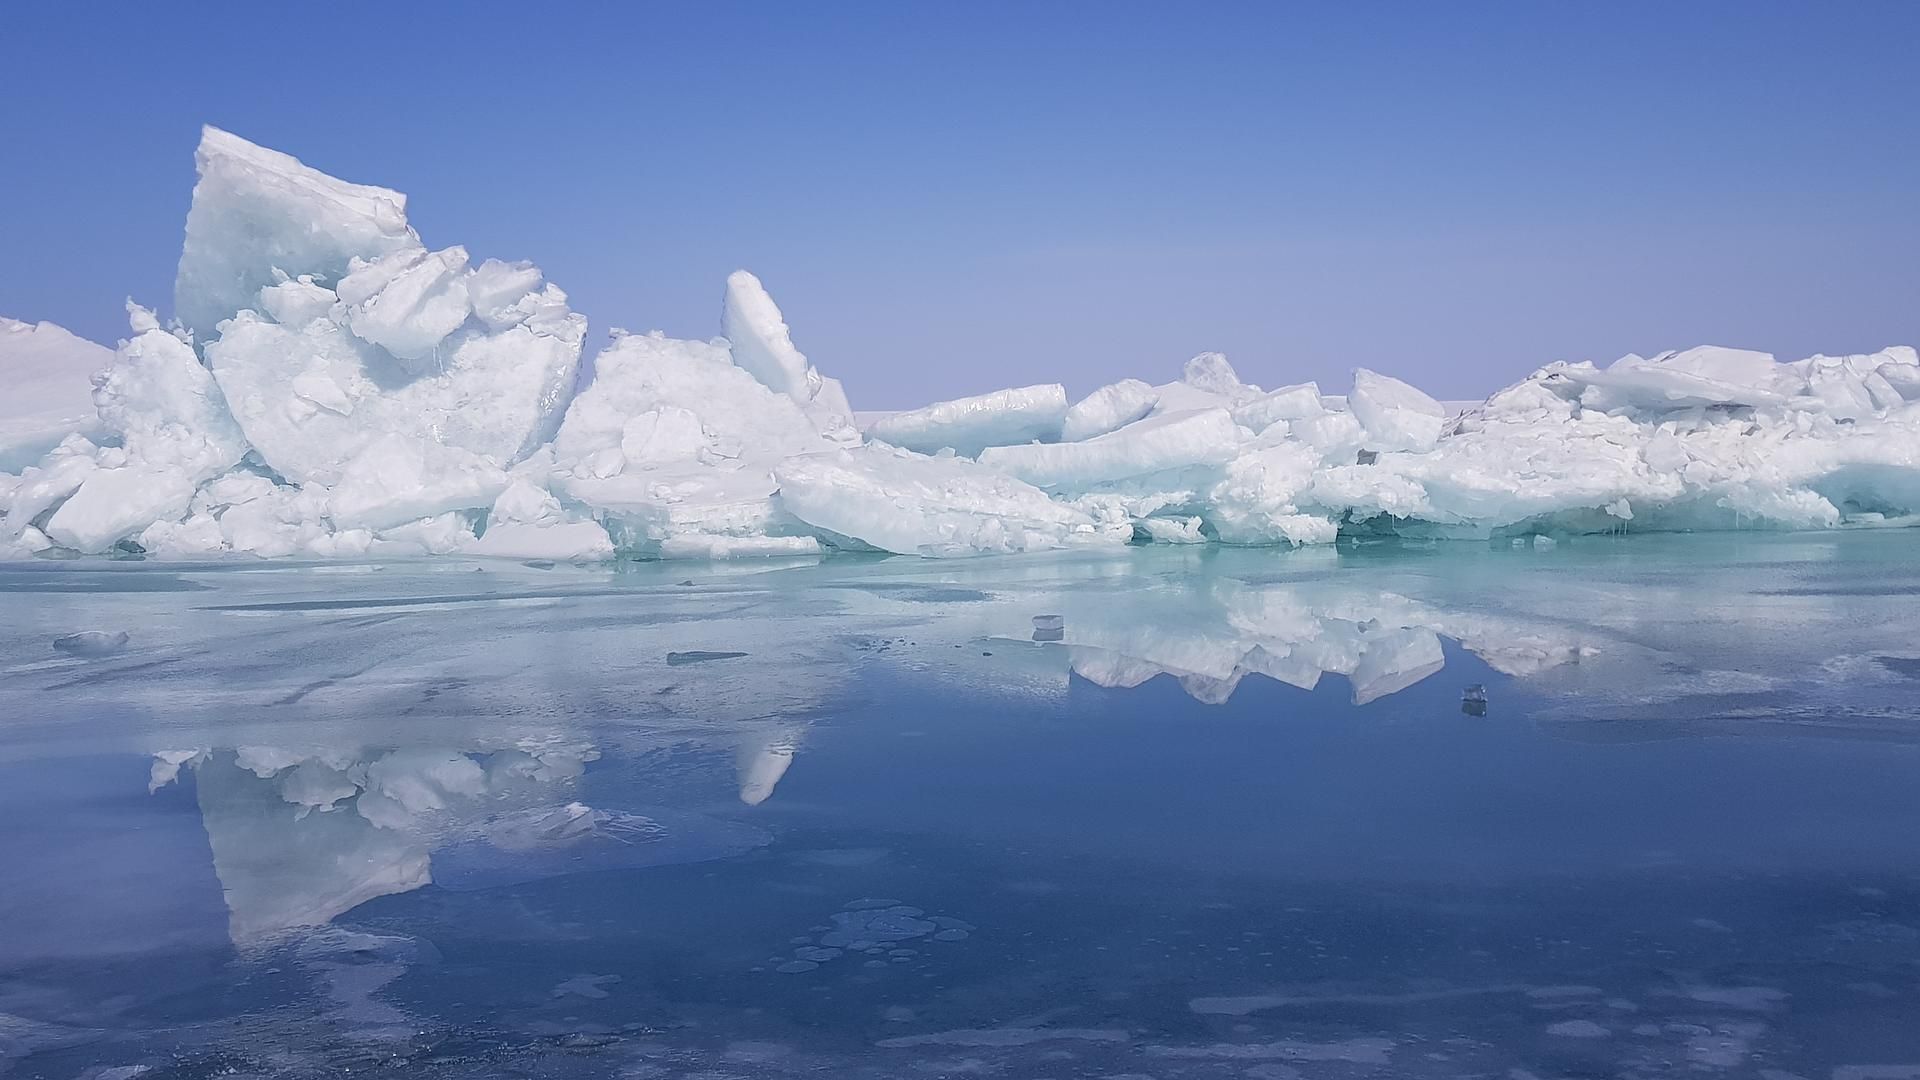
(495, 821)
(1212, 637)
(762, 761)
(299, 838)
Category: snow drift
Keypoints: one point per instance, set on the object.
(333, 386)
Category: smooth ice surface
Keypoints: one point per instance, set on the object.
(899, 501)
(1610, 807)
(48, 374)
(971, 424)
(335, 387)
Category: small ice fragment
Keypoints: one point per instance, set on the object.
(950, 935)
(696, 656)
(815, 953)
(1543, 543)
(1577, 1029)
(794, 967)
(1473, 700)
(91, 643)
(1049, 622)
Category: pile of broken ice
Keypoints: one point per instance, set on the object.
(332, 387)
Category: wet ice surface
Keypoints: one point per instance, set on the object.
(1632, 808)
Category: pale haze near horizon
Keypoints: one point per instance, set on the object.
(949, 200)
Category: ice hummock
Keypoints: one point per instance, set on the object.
(48, 373)
(333, 386)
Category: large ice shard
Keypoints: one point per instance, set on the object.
(257, 210)
(900, 501)
(1107, 409)
(48, 374)
(1396, 416)
(1156, 444)
(971, 424)
(763, 347)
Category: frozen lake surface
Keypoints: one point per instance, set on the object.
(1622, 807)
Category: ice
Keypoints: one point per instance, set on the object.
(91, 643)
(899, 501)
(673, 446)
(1294, 403)
(1706, 375)
(174, 433)
(971, 424)
(336, 388)
(256, 211)
(763, 347)
(335, 333)
(1395, 415)
(48, 374)
(407, 302)
(396, 480)
(1109, 408)
(1156, 444)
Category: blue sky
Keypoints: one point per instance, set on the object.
(950, 198)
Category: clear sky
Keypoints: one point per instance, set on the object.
(950, 198)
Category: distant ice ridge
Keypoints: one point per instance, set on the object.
(334, 387)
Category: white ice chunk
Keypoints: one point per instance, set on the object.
(297, 301)
(395, 351)
(971, 424)
(1109, 408)
(1258, 500)
(407, 302)
(763, 346)
(1702, 376)
(256, 211)
(1396, 416)
(311, 398)
(1156, 444)
(48, 375)
(1300, 402)
(904, 502)
(1904, 378)
(175, 433)
(397, 479)
(496, 288)
(672, 439)
(1211, 373)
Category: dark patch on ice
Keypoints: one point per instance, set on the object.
(1900, 665)
(700, 656)
(1843, 590)
(94, 676)
(64, 580)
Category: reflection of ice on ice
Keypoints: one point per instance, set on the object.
(572, 825)
(299, 837)
(1211, 638)
(762, 763)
